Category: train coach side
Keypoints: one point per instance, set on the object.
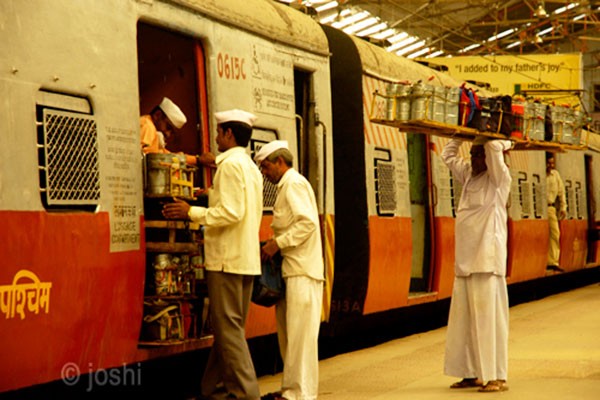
(395, 199)
(381, 185)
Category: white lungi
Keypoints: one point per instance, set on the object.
(298, 322)
(477, 337)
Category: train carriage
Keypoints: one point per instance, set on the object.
(75, 78)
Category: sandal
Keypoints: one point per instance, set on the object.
(494, 386)
(466, 383)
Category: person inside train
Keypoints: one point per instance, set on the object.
(163, 121)
(297, 235)
(477, 335)
(231, 254)
(556, 202)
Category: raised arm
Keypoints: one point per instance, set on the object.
(494, 160)
(459, 167)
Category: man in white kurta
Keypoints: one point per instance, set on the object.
(231, 257)
(477, 336)
(556, 197)
(297, 236)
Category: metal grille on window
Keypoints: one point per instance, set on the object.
(570, 196)
(269, 194)
(578, 199)
(385, 188)
(70, 158)
(538, 198)
(525, 197)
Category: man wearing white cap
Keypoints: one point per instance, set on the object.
(162, 121)
(297, 235)
(232, 256)
(477, 337)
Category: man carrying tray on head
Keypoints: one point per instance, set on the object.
(477, 337)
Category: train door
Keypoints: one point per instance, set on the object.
(307, 162)
(591, 207)
(167, 68)
(172, 65)
(417, 145)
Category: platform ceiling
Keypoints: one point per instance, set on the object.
(473, 27)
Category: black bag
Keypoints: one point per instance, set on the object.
(482, 115)
(502, 118)
(269, 286)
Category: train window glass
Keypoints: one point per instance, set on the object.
(385, 183)
(67, 152)
(596, 105)
(260, 137)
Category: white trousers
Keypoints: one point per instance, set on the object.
(477, 336)
(298, 322)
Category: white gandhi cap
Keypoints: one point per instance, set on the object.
(235, 116)
(269, 148)
(173, 113)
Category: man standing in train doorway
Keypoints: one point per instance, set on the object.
(231, 256)
(557, 211)
(163, 121)
(477, 336)
(298, 237)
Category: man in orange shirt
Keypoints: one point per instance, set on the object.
(162, 121)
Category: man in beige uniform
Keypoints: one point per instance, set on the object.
(556, 191)
(232, 256)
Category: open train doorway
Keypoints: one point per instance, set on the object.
(302, 93)
(167, 68)
(172, 65)
(417, 145)
(592, 244)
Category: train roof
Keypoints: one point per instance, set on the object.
(270, 19)
(380, 63)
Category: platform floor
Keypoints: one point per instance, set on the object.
(554, 353)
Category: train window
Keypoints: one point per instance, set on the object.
(67, 152)
(525, 195)
(570, 196)
(260, 137)
(578, 200)
(538, 198)
(596, 99)
(385, 183)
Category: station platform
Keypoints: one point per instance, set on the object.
(554, 353)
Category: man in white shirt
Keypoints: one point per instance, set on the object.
(232, 256)
(556, 193)
(297, 236)
(477, 336)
